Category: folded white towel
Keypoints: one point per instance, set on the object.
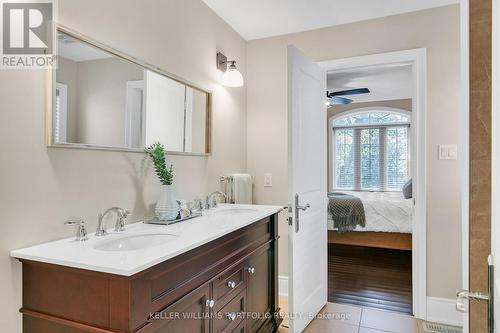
(242, 187)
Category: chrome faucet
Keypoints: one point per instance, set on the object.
(121, 215)
(211, 202)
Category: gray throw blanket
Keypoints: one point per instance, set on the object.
(346, 210)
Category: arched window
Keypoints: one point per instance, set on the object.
(370, 149)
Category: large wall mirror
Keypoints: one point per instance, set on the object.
(103, 99)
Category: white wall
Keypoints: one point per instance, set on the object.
(438, 31)
(41, 187)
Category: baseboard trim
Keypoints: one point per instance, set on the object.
(443, 311)
(283, 285)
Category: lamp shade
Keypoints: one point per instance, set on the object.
(232, 77)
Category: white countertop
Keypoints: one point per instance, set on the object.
(188, 235)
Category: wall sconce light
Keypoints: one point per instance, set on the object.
(232, 76)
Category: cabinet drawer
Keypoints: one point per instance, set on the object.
(231, 315)
(229, 283)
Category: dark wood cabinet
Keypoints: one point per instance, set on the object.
(190, 314)
(225, 286)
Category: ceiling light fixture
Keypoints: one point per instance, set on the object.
(232, 76)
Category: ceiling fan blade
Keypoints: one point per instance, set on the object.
(341, 100)
(350, 92)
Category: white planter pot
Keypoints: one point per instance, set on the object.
(167, 207)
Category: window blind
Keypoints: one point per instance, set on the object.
(57, 120)
(371, 158)
(344, 158)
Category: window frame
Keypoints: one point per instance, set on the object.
(332, 140)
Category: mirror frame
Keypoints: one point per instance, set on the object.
(51, 91)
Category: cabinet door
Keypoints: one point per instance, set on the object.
(258, 289)
(189, 314)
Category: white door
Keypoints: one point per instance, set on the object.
(307, 163)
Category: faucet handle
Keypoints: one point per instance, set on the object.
(124, 212)
(197, 205)
(81, 231)
(120, 220)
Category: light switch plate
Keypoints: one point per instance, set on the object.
(448, 152)
(268, 180)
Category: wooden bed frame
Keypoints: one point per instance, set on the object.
(385, 240)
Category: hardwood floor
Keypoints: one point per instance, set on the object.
(373, 277)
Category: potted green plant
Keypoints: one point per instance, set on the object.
(167, 207)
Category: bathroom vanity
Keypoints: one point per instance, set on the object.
(215, 273)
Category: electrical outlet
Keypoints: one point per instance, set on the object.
(268, 180)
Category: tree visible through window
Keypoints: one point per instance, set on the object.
(371, 151)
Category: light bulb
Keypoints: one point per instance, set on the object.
(232, 77)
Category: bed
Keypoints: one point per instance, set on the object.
(388, 222)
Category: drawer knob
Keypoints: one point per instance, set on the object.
(231, 284)
(210, 303)
(231, 316)
(251, 270)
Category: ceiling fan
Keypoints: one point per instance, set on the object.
(334, 97)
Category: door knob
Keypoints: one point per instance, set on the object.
(251, 270)
(297, 208)
(463, 296)
(231, 284)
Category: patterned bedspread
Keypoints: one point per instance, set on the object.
(346, 211)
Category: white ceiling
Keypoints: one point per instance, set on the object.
(385, 83)
(254, 19)
(77, 51)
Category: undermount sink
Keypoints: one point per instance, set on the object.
(233, 211)
(134, 242)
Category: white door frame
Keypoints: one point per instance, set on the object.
(464, 71)
(130, 116)
(417, 58)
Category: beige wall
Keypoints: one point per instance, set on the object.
(438, 31)
(102, 100)
(41, 187)
(67, 73)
